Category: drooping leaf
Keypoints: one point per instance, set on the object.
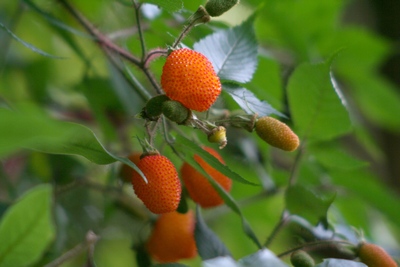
(208, 244)
(27, 229)
(233, 52)
(262, 258)
(229, 201)
(31, 128)
(26, 44)
(168, 5)
(315, 106)
(340, 263)
(249, 102)
(304, 202)
(220, 262)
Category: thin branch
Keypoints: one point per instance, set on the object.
(318, 243)
(137, 7)
(282, 222)
(296, 165)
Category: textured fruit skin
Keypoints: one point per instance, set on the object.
(162, 193)
(189, 77)
(126, 171)
(300, 258)
(198, 187)
(172, 238)
(216, 8)
(276, 133)
(175, 111)
(374, 256)
(153, 108)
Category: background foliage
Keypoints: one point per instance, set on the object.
(67, 122)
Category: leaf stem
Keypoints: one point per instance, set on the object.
(137, 7)
(295, 168)
(282, 222)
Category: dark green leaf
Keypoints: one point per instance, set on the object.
(27, 45)
(316, 108)
(233, 52)
(207, 242)
(333, 156)
(307, 204)
(27, 228)
(168, 5)
(211, 160)
(262, 258)
(340, 263)
(249, 102)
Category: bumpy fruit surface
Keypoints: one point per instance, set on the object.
(162, 193)
(300, 258)
(189, 77)
(374, 256)
(175, 111)
(126, 172)
(216, 8)
(172, 238)
(276, 133)
(198, 187)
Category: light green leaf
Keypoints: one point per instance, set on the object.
(340, 263)
(316, 108)
(249, 102)
(220, 262)
(233, 52)
(31, 128)
(169, 5)
(27, 229)
(208, 244)
(307, 204)
(262, 258)
(27, 45)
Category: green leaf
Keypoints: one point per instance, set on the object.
(208, 244)
(233, 52)
(27, 45)
(220, 262)
(210, 159)
(316, 108)
(249, 102)
(340, 263)
(262, 258)
(170, 265)
(333, 156)
(31, 128)
(169, 5)
(229, 201)
(307, 204)
(26, 229)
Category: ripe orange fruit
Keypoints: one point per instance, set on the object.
(276, 133)
(189, 77)
(172, 238)
(198, 187)
(374, 256)
(126, 171)
(162, 193)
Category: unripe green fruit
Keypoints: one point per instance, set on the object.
(374, 256)
(175, 111)
(300, 258)
(153, 108)
(216, 8)
(276, 133)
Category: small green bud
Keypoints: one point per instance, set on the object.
(216, 8)
(153, 108)
(300, 258)
(175, 111)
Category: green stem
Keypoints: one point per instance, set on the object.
(137, 7)
(316, 244)
(282, 222)
(296, 165)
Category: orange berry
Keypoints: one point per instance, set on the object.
(172, 238)
(374, 256)
(276, 133)
(162, 193)
(189, 77)
(198, 187)
(126, 171)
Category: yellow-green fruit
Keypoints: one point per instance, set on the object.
(374, 256)
(300, 258)
(175, 111)
(216, 8)
(276, 133)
